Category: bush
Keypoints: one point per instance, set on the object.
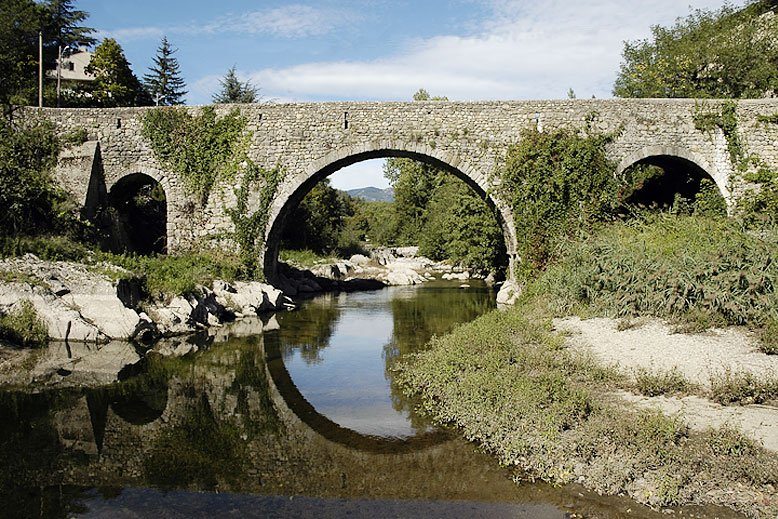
(681, 267)
(742, 388)
(23, 327)
(558, 183)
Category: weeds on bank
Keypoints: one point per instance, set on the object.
(698, 271)
(304, 258)
(742, 388)
(163, 275)
(23, 326)
(508, 382)
(662, 383)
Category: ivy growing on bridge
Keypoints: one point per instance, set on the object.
(761, 204)
(558, 183)
(250, 227)
(203, 149)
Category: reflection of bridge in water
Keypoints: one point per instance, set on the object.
(231, 419)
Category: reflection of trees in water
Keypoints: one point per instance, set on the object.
(309, 329)
(220, 398)
(431, 311)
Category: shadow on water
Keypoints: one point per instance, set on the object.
(231, 427)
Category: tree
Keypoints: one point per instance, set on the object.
(63, 28)
(164, 82)
(727, 53)
(233, 91)
(115, 84)
(19, 26)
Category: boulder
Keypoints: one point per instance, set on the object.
(359, 260)
(509, 293)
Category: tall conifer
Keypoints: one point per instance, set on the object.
(164, 82)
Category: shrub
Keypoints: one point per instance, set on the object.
(23, 326)
(670, 266)
(742, 388)
(558, 183)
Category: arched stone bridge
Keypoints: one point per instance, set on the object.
(312, 140)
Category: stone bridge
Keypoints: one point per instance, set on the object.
(310, 141)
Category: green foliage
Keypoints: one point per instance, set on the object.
(768, 337)
(681, 267)
(19, 25)
(31, 201)
(51, 248)
(250, 227)
(23, 327)
(662, 383)
(506, 381)
(319, 222)
(164, 83)
(707, 120)
(462, 228)
(742, 388)
(115, 84)
(233, 91)
(768, 119)
(558, 183)
(75, 138)
(760, 206)
(304, 258)
(20, 21)
(727, 53)
(372, 222)
(203, 149)
(708, 200)
(414, 183)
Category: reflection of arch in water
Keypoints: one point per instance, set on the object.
(285, 393)
(295, 188)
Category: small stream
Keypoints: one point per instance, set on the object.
(303, 420)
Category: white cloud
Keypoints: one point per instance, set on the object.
(524, 50)
(289, 21)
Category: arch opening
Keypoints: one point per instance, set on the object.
(287, 204)
(138, 206)
(679, 183)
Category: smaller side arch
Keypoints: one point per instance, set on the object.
(138, 214)
(658, 153)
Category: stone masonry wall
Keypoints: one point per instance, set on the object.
(311, 140)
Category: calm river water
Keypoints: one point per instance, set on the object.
(302, 420)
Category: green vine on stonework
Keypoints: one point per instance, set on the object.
(768, 119)
(202, 149)
(725, 120)
(249, 228)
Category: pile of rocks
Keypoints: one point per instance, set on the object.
(83, 304)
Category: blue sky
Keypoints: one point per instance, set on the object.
(386, 50)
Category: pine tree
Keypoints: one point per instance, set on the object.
(164, 82)
(63, 28)
(233, 91)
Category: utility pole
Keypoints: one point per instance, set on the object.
(40, 69)
(59, 74)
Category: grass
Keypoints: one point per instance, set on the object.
(742, 388)
(661, 383)
(509, 384)
(305, 258)
(507, 381)
(164, 275)
(23, 327)
(697, 271)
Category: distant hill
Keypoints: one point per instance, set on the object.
(373, 194)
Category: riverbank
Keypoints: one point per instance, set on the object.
(545, 397)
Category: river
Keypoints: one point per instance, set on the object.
(303, 420)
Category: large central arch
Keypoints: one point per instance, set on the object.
(294, 189)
